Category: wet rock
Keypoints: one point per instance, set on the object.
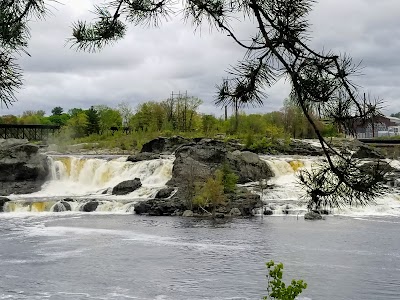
(312, 215)
(164, 193)
(268, 212)
(61, 206)
(248, 166)
(187, 213)
(3, 200)
(126, 187)
(23, 169)
(90, 206)
(142, 156)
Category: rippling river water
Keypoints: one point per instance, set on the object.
(111, 256)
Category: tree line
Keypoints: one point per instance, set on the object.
(173, 116)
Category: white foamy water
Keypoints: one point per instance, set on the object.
(285, 198)
(84, 178)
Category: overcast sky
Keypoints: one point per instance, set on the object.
(151, 63)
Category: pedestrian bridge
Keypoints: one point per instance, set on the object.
(29, 132)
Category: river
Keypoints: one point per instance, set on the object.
(114, 254)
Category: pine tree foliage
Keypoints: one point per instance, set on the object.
(14, 36)
(321, 80)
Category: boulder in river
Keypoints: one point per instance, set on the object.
(61, 206)
(164, 193)
(90, 206)
(312, 215)
(126, 187)
(3, 200)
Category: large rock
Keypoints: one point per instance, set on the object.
(312, 215)
(23, 169)
(367, 152)
(126, 187)
(160, 207)
(248, 166)
(165, 145)
(90, 206)
(164, 193)
(3, 200)
(62, 206)
(199, 161)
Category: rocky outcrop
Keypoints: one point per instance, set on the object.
(241, 203)
(143, 156)
(3, 200)
(165, 145)
(199, 161)
(23, 169)
(126, 187)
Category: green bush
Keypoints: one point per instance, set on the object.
(276, 287)
(228, 178)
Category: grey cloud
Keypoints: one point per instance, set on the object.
(150, 63)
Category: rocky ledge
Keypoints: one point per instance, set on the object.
(23, 169)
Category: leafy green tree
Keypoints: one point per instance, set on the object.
(59, 119)
(77, 125)
(74, 111)
(108, 118)
(211, 194)
(9, 119)
(93, 121)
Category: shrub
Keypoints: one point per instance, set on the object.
(276, 287)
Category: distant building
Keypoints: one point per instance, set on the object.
(383, 126)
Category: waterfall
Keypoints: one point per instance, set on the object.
(80, 176)
(285, 198)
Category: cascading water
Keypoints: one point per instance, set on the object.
(285, 196)
(87, 178)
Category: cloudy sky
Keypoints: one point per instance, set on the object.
(151, 63)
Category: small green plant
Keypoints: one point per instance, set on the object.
(211, 194)
(276, 287)
(228, 178)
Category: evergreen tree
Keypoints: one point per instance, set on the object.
(93, 121)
